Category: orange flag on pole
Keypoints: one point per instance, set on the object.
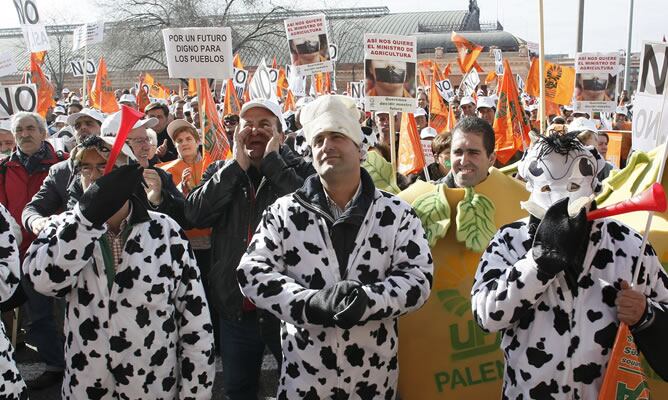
(559, 82)
(142, 96)
(44, 87)
(624, 378)
(281, 83)
(231, 102)
(236, 61)
(214, 140)
(289, 104)
(511, 126)
(38, 57)
(423, 79)
(452, 120)
(467, 53)
(274, 65)
(438, 111)
(102, 96)
(447, 71)
(411, 158)
(192, 87)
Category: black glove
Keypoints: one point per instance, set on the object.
(107, 194)
(559, 239)
(350, 310)
(326, 303)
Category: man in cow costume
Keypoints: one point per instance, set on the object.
(338, 261)
(557, 286)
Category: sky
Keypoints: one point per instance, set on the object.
(605, 21)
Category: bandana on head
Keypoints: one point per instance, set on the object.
(558, 166)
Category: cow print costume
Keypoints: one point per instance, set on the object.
(151, 336)
(11, 384)
(558, 332)
(291, 257)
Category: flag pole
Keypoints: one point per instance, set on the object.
(198, 85)
(541, 66)
(85, 75)
(393, 155)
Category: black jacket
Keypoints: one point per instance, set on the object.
(227, 201)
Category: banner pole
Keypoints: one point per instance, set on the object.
(393, 155)
(198, 85)
(541, 66)
(85, 75)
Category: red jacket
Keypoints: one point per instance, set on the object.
(17, 187)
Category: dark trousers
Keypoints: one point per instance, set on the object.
(242, 350)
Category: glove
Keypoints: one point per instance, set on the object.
(322, 306)
(108, 194)
(350, 310)
(559, 239)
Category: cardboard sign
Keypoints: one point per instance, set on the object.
(87, 34)
(260, 86)
(17, 98)
(309, 44)
(470, 83)
(7, 64)
(78, 68)
(333, 51)
(34, 32)
(520, 82)
(357, 92)
(595, 81)
(390, 72)
(428, 154)
(498, 61)
(198, 52)
(650, 99)
(445, 89)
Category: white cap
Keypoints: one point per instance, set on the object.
(61, 118)
(582, 124)
(178, 124)
(485, 102)
(128, 98)
(125, 155)
(268, 105)
(466, 100)
(112, 124)
(74, 99)
(194, 100)
(86, 112)
(332, 113)
(6, 125)
(419, 112)
(59, 109)
(622, 110)
(568, 107)
(428, 133)
(303, 101)
(65, 91)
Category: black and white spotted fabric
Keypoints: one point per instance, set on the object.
(11, 383)
(151, 336)
(557, 342)
(291, 257)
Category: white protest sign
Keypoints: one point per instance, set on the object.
(445, 89)
(78, 68)
(357, 92)
(428, 154)
(198, 52)
(390, 72)
(470, 83)
(498, 61)
(87, 34)
(17, 98)
(650, 99)
(273, 77)
(260, 86)
(34, 32)
(596, 76)
(520, 82)
(296, 83)
(240, 79)
(333, 51)
(309, 44)
(7, 64)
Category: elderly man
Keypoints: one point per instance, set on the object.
(52, 195)
(471, 153)
(21, 175)
(338, 262)
(136, 318)
(557, 286)
(7, 142)
(160, 111)
(231, 198)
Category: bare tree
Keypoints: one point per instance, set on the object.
(59, 57)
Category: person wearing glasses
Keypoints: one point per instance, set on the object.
(230, 122)
(137, 319)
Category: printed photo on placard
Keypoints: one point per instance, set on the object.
(308, 44)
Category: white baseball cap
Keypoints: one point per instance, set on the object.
(420, 112)
(622, 110)
(268, 105)
(178, 124)
(61, 118)
(466, 100)
(59, 110)
(485, 102)
(65, 91)
(86, 112)
(128, 98)
(428, 133)
(112, 124)
(582, 124)
(125, 155)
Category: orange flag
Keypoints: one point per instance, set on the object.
(289, 104)
(102, 96)
(281, 83)
(436, 73)
(559, 82)
(423, 79)
(438, 111)
(452, 119)
(447, 71)
(624, 377)
(231, 103)
(44, 87)
(38, 57)
(273, 64)
(317, 82)
(192, 87)
(511, 126)
(490, 77)
(467, 53)
(237, 62)
(214, 140)
(411, 158)
(142, 96)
